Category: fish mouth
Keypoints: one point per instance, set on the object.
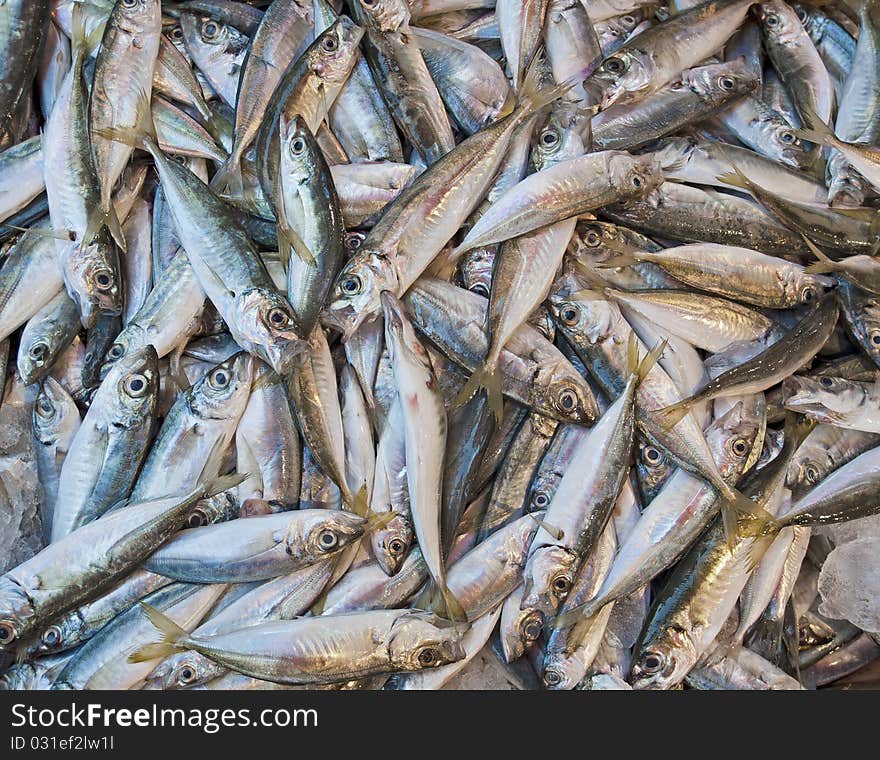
(796, 395)
(342, 319)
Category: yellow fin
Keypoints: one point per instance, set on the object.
(486, 379)
(824, 264)
(171, 634)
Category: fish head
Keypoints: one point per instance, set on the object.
(62, 634)
(267, 325)
(560, 138)
(355, 295)
(519, 632)
(824, 399)
(54, 412)
(560, 390)
(719, 82)
(623, 77)
(382, 16)
(93, 273)
(780, 23)
(16, 615)
(634, 176)
(585, 320)
(181, 670)
(34, 359)
(652, 466)
(325, 532)
(335, 52)
(560, 673)
(131, 388)
(807, 468)
(133, 336)
(297, 144)
(211, 37)
(864, 321)
(137, 16)
(736, 439)
(422, 640)
(223, 392)
(663, 661)
(28, 676)
(804, 287)
(548, 578)
(789, 147)
(391, 543)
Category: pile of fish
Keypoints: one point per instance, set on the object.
(365, 338)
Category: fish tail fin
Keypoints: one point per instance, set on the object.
(735, 178)
(486, 378)
(669, 416)
(535, 94)
(83, 43)
(819, 132)
(651, 358)
(756, 523)
(765, 638)
(142, 135)
(228, 176)
(823, 263)
(224, 483)
(451, 606)
(360, 503)
(170, 632)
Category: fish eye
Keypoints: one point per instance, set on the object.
(532, 628)
(652, 456)
(219, 378)
(176, 33)
(44, 406)
(368, 3)
(197, 519)
(569, 314)
(726, 83)
(567, 401)
(825, 381)
(549, 138)
(561, 585)
(330, 44)
(652, 662)
(875, 338)
(787, 137)
(117, 351)
(297, 146)
(396, 546)
(39, 351)
(592, 239)
(129, 3)
(51, 637)
(811, 473)
(211, 29)
(327, 540)
(7, 632)
(772, 20)
(278, 317)
(136, 385)
(636, 181)
(353, 241)
(103, 280)
(427, 656)
(186, 675)
(615, 65)
(480, 289)
(808, 294)
(541, 500)
(628, 20)
(802, 15)
(552, 678)
(351, 285)
(740, 447)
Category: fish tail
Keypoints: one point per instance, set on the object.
(535, 94)
(819, 132)
(557, 533)
(171, 634)
(99, 219)
(224, 483)
(228, 176)
(488, 379)
(669, 416)
(360, 503)
(451, 606)
(765, 638)
(823, 264)
(142, 135)
(83, 43)
(651, 358)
